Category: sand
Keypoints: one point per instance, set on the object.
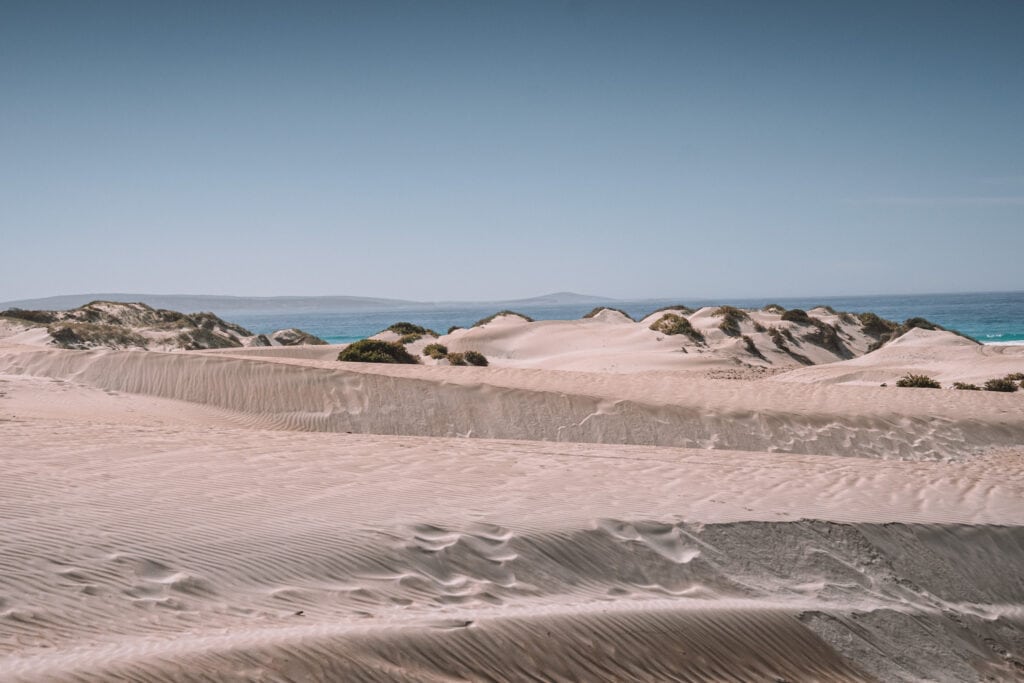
(275, 515)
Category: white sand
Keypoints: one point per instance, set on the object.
(205, 516)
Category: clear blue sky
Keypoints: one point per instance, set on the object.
(481, 150)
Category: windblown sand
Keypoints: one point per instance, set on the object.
(276, 515)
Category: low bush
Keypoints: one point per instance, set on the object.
(672, 324)
(453, 328)
(876, 326)
(484, 321)
(409, 338)
(597, 310)
(1016, 377)
(964, 386)
(798, 316)
(467, 358)
(435, 351)
(731, 319)
(774, 308)
(475, 358)
(403, 329)
(918, 381)
(1000, 384)
(42, 317)
(376, 351)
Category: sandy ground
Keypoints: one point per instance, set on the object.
(275, 515)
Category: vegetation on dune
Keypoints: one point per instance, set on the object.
(1001, 384)
(774, 308)
(441, 352)
(918, 381)
(475, 358)
(72, 335)
(731, 319)
(435, 351)
(376, 351)
(597, 310)
(798, 316)
(453, 328)
(752, 348)
(779, 337)
(680, 307)
(847, 318)
(409, 338)
(484, 321)
(827, 337)
(672, 324)
(964, 386)
(40, 317)
(404, 329)
(885, 331)
(876, 326)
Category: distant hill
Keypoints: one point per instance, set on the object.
(228, 305)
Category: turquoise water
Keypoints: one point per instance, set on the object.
(993, 317)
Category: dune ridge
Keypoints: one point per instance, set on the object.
(372, 398)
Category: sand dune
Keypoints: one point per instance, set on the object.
(661, 410)
(941, 355)
(205, 516)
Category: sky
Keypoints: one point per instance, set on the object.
(472, 150)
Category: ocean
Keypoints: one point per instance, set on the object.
(990, 317)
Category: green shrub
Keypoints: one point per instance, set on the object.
(1016, 377)
(964, 386)
(404, 329)
(731, 319)
(435, 351)
(453, 328)
(484, 321)
(475, 358)
(672, 324)
(409, 339)
(919, 381)
(376, 351)
(875, 326)
(798, 316)
(597, 310)
(467, 358)
(1000, 384)
(774, 308)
